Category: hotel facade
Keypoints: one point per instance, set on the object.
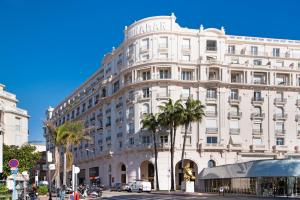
(250, 87)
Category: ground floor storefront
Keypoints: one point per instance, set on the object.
(263, 178)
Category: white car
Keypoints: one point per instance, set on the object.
(140, 186)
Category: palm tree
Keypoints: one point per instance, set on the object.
(193, 112)
(73, 134)
(150, 122)
(57, 137)
(169, 117)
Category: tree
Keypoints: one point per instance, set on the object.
(150, 122)
(25, 154)
(57, 136)
(170, 118)
(192, 112)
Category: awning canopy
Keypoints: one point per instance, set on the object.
(259, 168)
(235, 140)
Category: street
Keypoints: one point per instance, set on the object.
(139, 196)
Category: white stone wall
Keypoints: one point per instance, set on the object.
(14, 121)
(142, 51)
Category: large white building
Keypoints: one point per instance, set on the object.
(249, 85)
(13, 120)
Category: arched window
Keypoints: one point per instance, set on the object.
(211, 163)
(123, 168)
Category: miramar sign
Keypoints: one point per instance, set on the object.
(148, 27)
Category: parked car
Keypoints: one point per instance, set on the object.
(140, 186)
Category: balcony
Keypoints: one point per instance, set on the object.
(257, 116)
(257, 147)
(234, 131)
(257, 131)
(280, 116)
(280, 101)
(257, 100)
(259, 82)
(280, 132)
(211, 113)
(234, 99)
(211, 130)
(211, 48)
(211, 98)
(209, 147)
(234, 115)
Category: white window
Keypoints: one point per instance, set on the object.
(211, 93)
(234, 94)
(145, 44)
(164, 139)
(146, 75)
(186, 43)
(231, 49)
(254, 50)
(279, 63)
(146, 92)
(211, 45)
(279, 126)
(186, 75)
(211, 123)
(164, 74)
(276, 52)
(163, 42)
(257, 62)
(279, 141)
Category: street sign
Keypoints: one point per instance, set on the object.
(14, 170)
(49, 156)
(52, 167)
(76, 170)
(13, 163)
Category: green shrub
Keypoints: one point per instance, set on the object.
(42, 190)
(3, 189)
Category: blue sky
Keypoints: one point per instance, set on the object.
(49, 47)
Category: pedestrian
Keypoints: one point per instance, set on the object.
(62, 193)
(221, 190)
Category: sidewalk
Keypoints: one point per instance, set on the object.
(180, 193)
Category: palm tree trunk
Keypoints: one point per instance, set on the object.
(184, 143)
(155, 156)
(57, 168)
(65, 169)
(172, 159)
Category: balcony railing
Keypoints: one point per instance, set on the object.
(211, 113)
(234, 131)
(257, 100)
(280, 132)
(280, 101)
(234, 115)
(211, 48)
(214, 78)
(257, 115)
(236, 80)
(280, 116)
(211, 97)
(211, 130)
(257, 131)
(260, 82)
(186, 96)
(234, 99)
(163, 95)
